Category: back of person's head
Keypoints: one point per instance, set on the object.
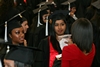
(82, 34)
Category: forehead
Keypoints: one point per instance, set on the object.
(24, 22)
(59, 21)
(44, 14)
(16, 29)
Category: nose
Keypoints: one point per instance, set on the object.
(59, 26)
(27, 26)
(22, 35)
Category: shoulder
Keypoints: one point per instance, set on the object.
(69, 47)
(70, 52)
(44, 41)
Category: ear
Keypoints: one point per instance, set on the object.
(10, 36)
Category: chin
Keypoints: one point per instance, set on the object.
(60, 34)
(22, 42)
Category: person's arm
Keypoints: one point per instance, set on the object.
(64, 60)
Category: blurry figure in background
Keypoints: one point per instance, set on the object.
(82, 51)
(50, 45)
(81, 6)
(20, 4)
(25, 26)
(73, 11)
(72, 17)
(0, 64)
(58, 4)
(71, 7)
(7, 10)
(96, 32)
(39, 32)
(6, 6)
(33, 3)
(90, 11)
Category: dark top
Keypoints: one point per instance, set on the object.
(42, 58)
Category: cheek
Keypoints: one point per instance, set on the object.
(56, 28)
(14, 36)
(74, 10)
(23, 26)
(64, 27)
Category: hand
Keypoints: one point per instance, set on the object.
(69, 41)
(71, 14)
(25, 43)
(8, 63)
(59, 56)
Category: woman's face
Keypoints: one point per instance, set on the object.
(73, 9)
(25, 26)
(17, 35)
(44, 17)
(60, 27)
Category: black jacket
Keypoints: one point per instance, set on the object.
(42, 58)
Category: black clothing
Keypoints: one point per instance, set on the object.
(90, 11)
(96, 31)
(37, 36)
(81, 6)
(42, 58)
(3, 49)
(70, 21)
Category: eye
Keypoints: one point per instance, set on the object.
(23, 31)
(17, 32)
(62, 24)
(56, 24)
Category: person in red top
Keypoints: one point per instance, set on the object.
(82, 51)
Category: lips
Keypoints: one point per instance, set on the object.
(60, 31)
(22, 39)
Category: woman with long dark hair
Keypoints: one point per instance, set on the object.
(50, 45)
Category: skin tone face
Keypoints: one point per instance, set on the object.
(60, 27)
(25, 26)
(17, 35)
(44, 17)
(73, 9)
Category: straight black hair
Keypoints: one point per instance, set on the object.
(53, 39)
(82, 34)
